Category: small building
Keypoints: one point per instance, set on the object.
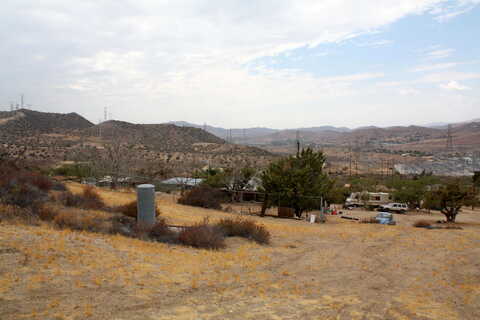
(181, 182)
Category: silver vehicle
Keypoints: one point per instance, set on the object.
(394, 207)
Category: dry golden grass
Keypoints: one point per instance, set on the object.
(339, 270)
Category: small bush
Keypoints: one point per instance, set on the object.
(369, 220)
(89, 199)
(422, 224)
(73, 170)
(161, 232)
(130, 209)
(69, 199)
(202, 196)
(40, 181)
(202, 235)
(47, 213)
(244, 228)
(123, 225)
(18, 214)
(92, 199)
(83, 220)
(22, 187)
(22, 194)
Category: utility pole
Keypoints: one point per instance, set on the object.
(298, 142)
(449, 139)
(350, 159)
(100, 128)
(105, 113)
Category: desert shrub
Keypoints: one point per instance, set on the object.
(47, 213)
(21, 187)
(41, 182)
(244, 228)
(123, 225)
(77, 219)
(16, 214)
(422, 224)
(22, 194)
(89, 199)
(69, 199)
(130, 209)
(202, 196)
(161, 232)
(369, 220)
(202, 235)
(73, 170)
(92, 199)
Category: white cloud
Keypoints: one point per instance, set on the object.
(446, 11)
(439, 54)
(437, 66)
(448, 76)
(375, 44)
(189, 58)
(454, 85)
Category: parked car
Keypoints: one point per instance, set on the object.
(394, 207)
(385, 218)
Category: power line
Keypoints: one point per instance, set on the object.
(449, 138)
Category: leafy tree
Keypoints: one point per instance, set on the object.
(412, 191)
(296, 181)
(215, 178)
(231, 179)
(476, 179)
(431, 201)
(337, 194)
(452, 197)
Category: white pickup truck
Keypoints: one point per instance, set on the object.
(394, 207)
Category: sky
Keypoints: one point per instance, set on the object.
(245, 63)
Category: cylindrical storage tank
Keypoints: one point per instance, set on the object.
(146, 205)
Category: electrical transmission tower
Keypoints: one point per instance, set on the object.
(449, 138)
(297, 142)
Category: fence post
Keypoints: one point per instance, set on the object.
(146, 205)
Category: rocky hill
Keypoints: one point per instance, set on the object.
(24, 122)
(52, 137)
(160, 137)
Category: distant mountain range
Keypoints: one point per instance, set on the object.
(182, 136)
(465, 135)
(255, 131)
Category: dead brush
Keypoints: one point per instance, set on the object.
(89, 199)
(244, 228)
(371, 220)
(203, 196)
(202, 235)
(422, 224)
(92, 199)
(47, 212)
(83, 220)
(162, 233)
(15, 214)
(130, 209)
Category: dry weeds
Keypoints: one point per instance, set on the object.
(339, 270)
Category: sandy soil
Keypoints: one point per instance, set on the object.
(337, 270)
